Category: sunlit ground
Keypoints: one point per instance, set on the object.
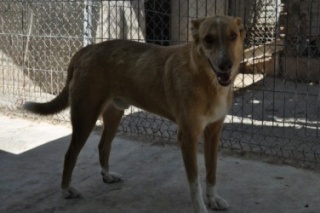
(19, 135)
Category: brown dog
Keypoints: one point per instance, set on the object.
(190, 85)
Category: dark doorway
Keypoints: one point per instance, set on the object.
(158, 21)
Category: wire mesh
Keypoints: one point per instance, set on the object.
(276, 108)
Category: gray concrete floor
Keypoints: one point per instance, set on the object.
(31, 158)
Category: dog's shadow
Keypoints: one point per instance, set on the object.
(30, 180)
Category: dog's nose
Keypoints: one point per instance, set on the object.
(225, 64)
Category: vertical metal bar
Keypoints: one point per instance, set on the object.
(254, 44)
(179, 24)
(109, 20)
(310, 54)
(296, 70)
(51, 45)
(285, 37)
(206, 8)
(242, 96)
(23, 40)
(197, 9)
(130, 19)
(188, 17)
(87, 23)
(161, 14)
(318, 112)
(215, 7)
(122, 19)
(102, 15)
(138, 17)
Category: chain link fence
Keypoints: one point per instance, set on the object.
(276, 109)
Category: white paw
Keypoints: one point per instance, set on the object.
(110, 177)
(201, 210)
(217, 203)
(200, 207)
(70, 193)
(196, 197)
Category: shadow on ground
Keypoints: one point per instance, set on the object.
(154, 179)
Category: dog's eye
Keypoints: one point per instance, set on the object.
(233, 36)
(209, 39)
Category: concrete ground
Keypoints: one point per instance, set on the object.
(31, 157)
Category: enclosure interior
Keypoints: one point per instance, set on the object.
(276, 110)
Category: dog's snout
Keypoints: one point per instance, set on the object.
(225, 64)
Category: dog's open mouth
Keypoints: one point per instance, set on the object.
(224, 77)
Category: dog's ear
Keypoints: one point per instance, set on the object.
(195, 28)
(239, 23)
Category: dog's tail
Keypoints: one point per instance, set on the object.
(56, 105)
(59, 103)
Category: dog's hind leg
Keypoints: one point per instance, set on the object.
(211, 146)
(111, 120)
(83, 118)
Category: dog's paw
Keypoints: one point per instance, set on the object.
(110, 177)
(203, 209)
(217, 203)
(70, 193)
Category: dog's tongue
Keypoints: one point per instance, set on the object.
(224, 79)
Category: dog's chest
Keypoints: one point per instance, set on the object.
(218, 109)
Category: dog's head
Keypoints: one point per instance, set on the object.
(220, 40)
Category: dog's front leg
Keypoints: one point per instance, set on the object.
(211, 146)
(188, 138)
